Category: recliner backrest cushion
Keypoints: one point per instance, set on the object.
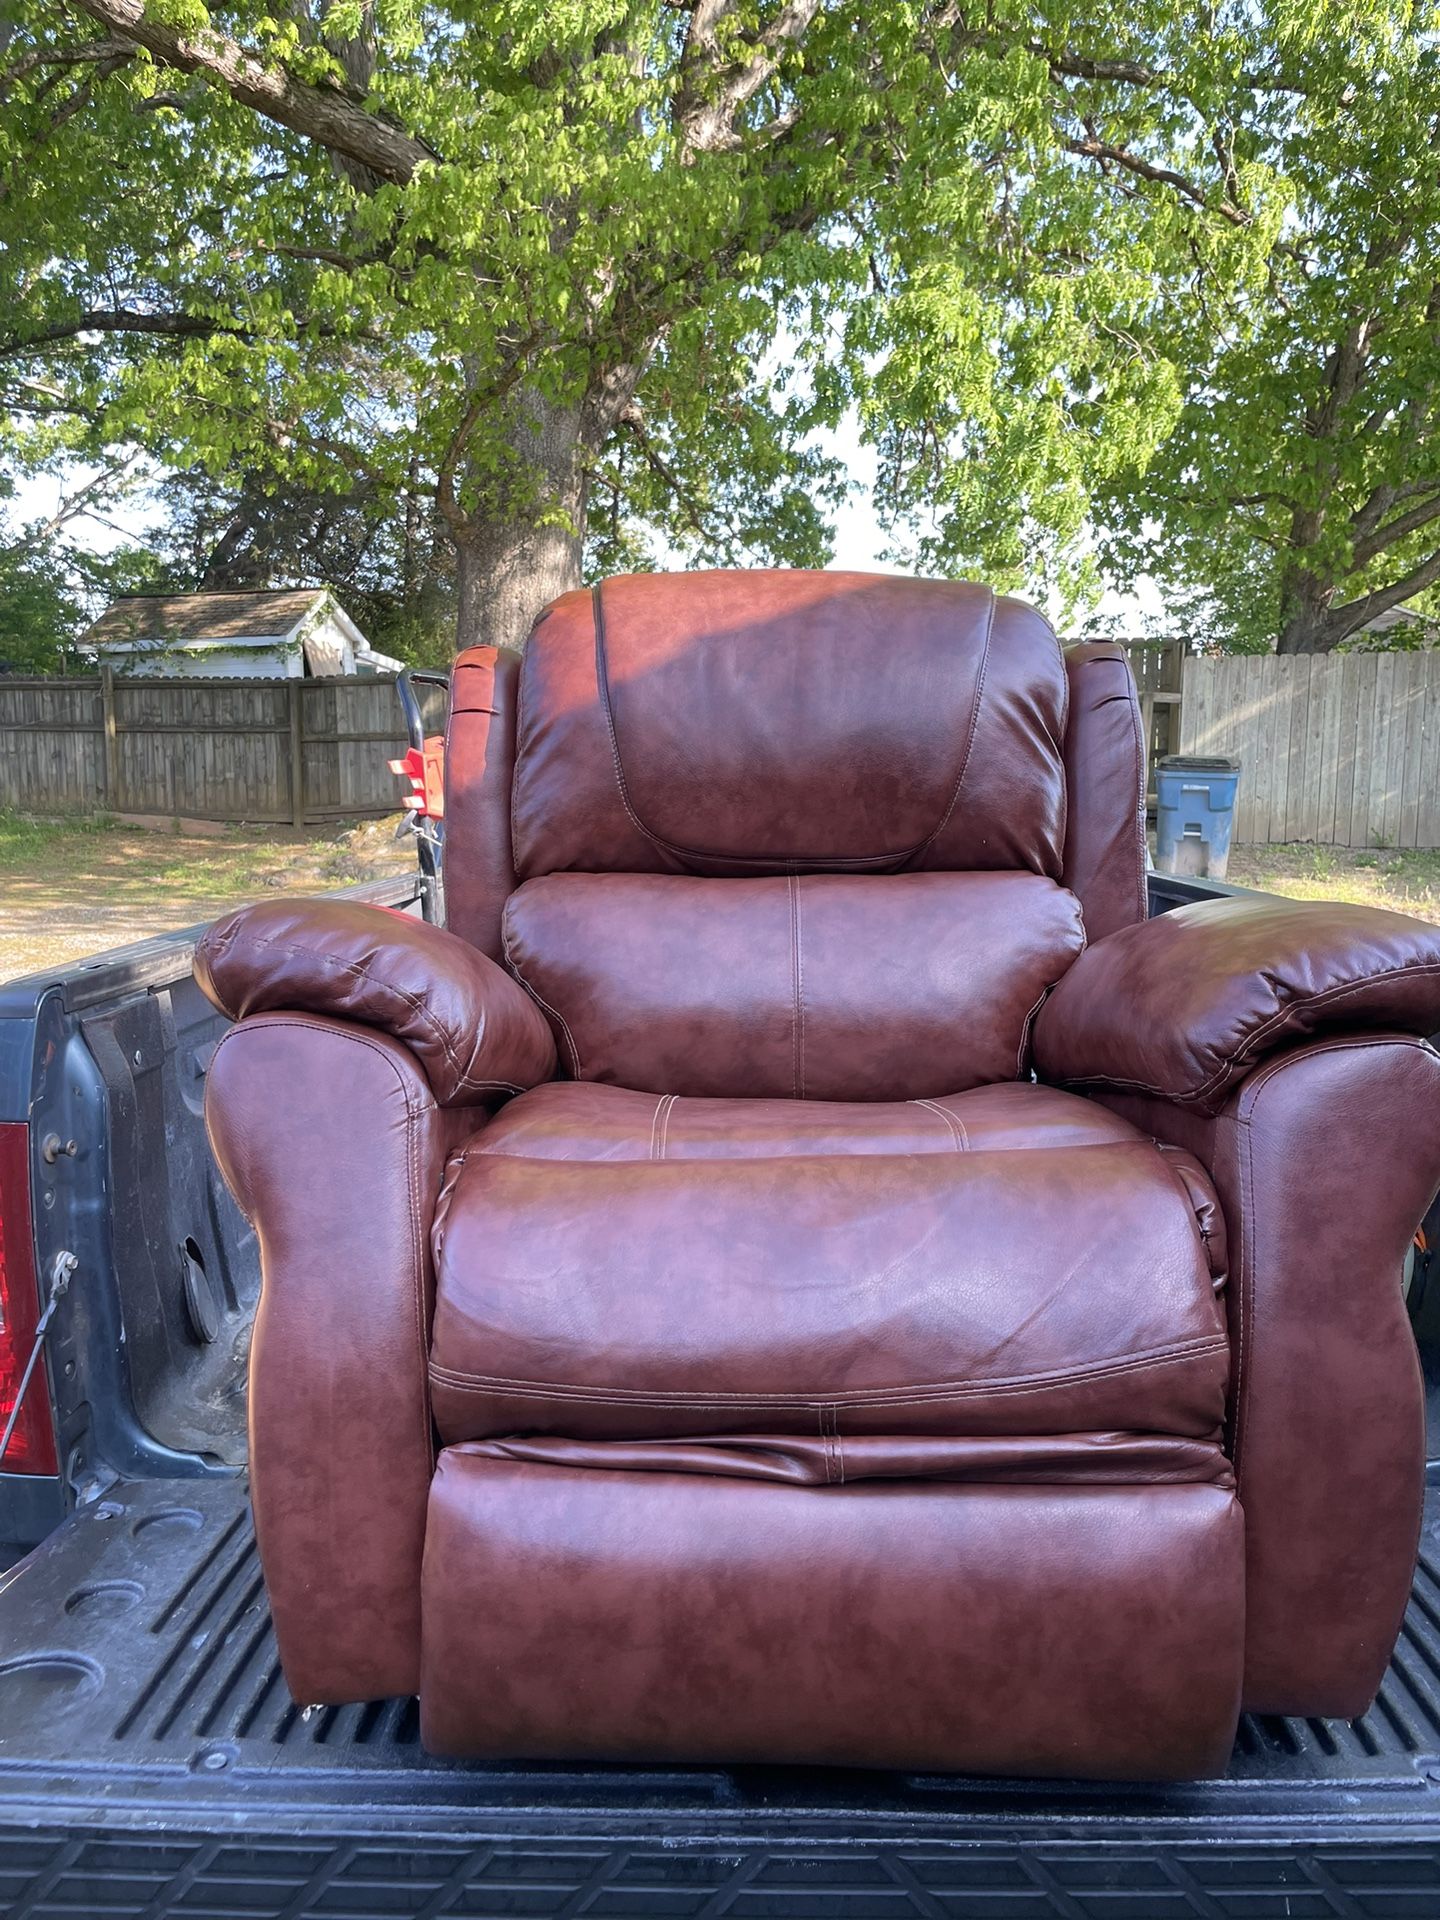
(818, 986)
(737, 723)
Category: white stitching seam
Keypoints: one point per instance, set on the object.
(957, 1132)
(797, 1003)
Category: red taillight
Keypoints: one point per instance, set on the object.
(32, 1444)
(423, 768)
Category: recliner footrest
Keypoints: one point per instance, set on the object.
(577, 1613)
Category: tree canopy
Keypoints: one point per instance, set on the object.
(1298, 495)
(592, 274)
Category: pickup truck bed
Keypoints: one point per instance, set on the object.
(153, 1763)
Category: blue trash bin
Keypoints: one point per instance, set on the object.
(1194, 814)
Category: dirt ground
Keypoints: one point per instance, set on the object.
(76, 887)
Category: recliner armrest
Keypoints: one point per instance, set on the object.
(474, 1031)
(1184, 1005)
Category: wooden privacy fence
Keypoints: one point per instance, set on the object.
(1341, 749)
(264, 750)
(1157, 666)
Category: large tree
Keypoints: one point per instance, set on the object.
(1298, 496)
(597, 267)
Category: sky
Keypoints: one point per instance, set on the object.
(859, 539)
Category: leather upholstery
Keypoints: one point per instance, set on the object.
(1074, 1630)
(471, 1028)
(830, 1460)
(831, 986)
(812, 1383)
(581, 1121)
(1050, 1291)
(479, 767)
(1324, 1158)
(732, 723)
(332, 1143)
(1184, 1005)
(1105, 789)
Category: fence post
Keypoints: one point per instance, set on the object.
(112, 741)
(297, 751)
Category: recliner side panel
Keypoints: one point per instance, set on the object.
(1104, 789)
(1328, 1406)
(332, 1143)
(479, 768)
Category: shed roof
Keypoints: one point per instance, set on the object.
(172, 617)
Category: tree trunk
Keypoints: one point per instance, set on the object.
(1308, 629)
(511, 564)
(506, 572)
(1307, 622)
(521, 547)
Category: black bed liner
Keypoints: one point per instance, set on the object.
(152, 1762)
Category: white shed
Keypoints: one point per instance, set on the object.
(280, 635)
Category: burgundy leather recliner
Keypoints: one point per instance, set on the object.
(926, 1315)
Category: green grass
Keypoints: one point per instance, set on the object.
(1405, 880)
(24, 839)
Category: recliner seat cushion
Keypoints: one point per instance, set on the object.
(819, 986)
(838, 1460)
(1049, 1290)
(581, 1120)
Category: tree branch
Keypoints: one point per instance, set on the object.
(633, 421)
(91, 50)
(1343, 621)
(446, 496)
(325, 115)
(1065, 63)
(121, 320)
(70, 505)
(175, 326)
(1369, 514)
(104, 65)
(712, 91)
(1396, 529)
(1091, 148)
(1134, 73)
